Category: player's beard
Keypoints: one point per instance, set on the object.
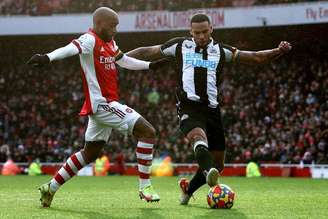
(203, 43)
(106, 36)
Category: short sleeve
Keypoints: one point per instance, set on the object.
(169, 47)
(230, 52)
(85, 43)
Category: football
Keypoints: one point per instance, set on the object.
(220, 196)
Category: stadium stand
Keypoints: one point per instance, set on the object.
(46, 7)
(271, 113)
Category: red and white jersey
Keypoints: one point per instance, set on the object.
(99, 73)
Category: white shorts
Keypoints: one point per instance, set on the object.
(110, 116)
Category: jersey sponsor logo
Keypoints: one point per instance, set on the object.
(105, 60)
(109, 62)
(196, 60)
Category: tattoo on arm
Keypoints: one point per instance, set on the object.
(146, 53)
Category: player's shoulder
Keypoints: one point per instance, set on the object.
(87, 38)
(219, 43)
(175, 40)
(224, 45)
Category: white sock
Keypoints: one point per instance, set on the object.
(54, 186)
(143, 183)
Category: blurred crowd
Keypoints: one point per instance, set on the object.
(271, 113)
(48, 7)
(278, 113)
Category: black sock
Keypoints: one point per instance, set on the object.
(196, 182)
(203, 157)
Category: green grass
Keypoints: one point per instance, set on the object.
(116, 197)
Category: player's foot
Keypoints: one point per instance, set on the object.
(185, 197)
(148, 194)
(46, 195)
(212, 177)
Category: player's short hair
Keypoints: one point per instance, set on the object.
(198, 18)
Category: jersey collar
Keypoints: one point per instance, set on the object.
(210, 43)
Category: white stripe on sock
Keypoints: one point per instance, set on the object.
(144, 145)
(64, 174)
(144, 169)
(144, 156)
(71, 165)
(80, 158)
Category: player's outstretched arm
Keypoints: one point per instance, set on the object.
(146, 53)
(264, 56)
(131, 63)
(135, 64)
(39, 60)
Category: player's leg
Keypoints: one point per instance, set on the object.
(188, 188)
(95, 137)
(194, 125)
(76, 162)
(216, 141)
(199, 179)
(202, 153)
(198, 139)
(127, 120)
(146, 135)
(219, 157)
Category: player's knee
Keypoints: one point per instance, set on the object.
(143, 129)
(197, 134)
(150, 132)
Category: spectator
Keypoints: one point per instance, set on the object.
(34, 168)
(10, 168)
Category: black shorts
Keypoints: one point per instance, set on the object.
(194, 115)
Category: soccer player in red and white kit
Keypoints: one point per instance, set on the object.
(98, 54)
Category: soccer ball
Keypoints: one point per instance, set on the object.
(220, 196)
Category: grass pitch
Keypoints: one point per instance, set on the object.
(117, 197)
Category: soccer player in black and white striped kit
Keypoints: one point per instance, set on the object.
(199, 61)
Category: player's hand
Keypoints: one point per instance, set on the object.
(154, 65)
(284, 47)
(38, 60)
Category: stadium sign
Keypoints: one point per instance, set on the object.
(164, 20)
(145, 21)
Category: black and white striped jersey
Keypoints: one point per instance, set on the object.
(199, 69)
